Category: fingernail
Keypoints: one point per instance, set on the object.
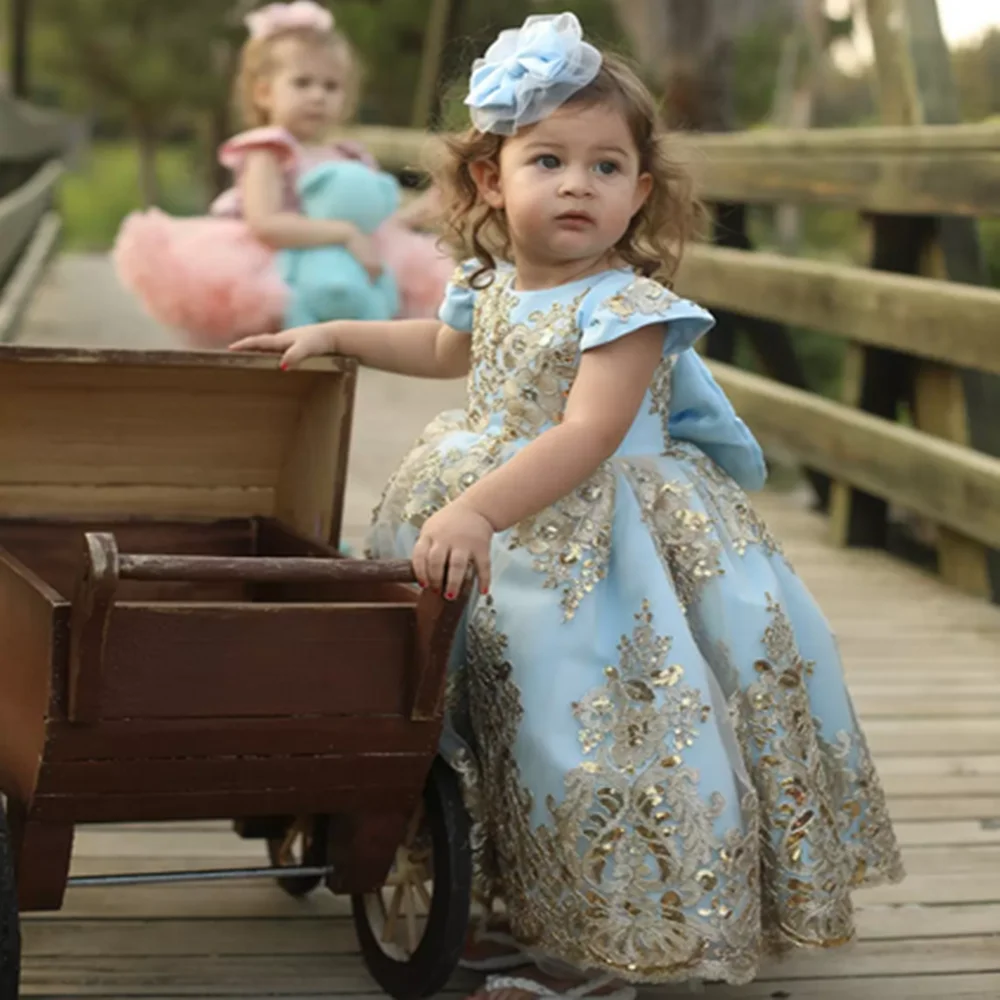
(449, 596)
(283, 366)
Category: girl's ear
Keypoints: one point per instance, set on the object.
(643, 187)
(262, 95)
(486, 176)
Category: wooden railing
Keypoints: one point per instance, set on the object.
(932, 343)
(33, 144)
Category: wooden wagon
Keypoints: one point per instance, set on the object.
(180, 639)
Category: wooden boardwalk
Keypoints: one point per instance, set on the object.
(924, 667)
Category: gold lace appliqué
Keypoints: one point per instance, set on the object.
(643, 296)
(810, 803)
(630, 874)
(571, 540)
(685, 538)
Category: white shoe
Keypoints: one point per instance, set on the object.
(538, 990)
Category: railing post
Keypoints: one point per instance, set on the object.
(910, 77)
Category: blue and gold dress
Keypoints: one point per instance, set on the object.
(666, 776)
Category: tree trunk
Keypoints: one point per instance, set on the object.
(149, 188)
(795, 98)
(19, 21)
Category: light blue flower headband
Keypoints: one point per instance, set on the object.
(530, 71)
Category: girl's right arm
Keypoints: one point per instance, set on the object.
(424, 348)
(261, 185)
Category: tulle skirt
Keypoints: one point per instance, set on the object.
(212, 280)
(208, 277)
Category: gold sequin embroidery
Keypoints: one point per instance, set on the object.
(643, 296)
(630, 874)
(685, 538)
(571, 540)
(810, 863)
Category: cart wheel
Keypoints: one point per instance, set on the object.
(413, 930)
(304, 844)
(10, 931)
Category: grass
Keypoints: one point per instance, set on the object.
(105, 188)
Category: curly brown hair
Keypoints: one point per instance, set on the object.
(655, 239)
(259, 59)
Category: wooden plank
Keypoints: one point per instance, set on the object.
(116, 433)
(930, 170)
(29, 133)
(910, 736)
(326, 940)
(165, 661)
(944, 481)
(21, 210)
(939, 320)
(16, 294)
(325, 974)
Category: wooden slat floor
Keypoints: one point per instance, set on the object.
(924, 665)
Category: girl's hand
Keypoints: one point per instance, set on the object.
(362, 248)
(296, 345)
(453, 539)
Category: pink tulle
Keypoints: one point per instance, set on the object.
(420, 268)
(208, 277)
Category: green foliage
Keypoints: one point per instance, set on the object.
(977, 75)
(390, 33)
(149, 64)
(94, 199)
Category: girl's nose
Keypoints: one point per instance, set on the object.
(576, 181)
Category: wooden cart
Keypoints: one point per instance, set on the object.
(180, 639)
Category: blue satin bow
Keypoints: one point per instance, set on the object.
(527, 73)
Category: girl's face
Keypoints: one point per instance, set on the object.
(569, 186)
(306, 93)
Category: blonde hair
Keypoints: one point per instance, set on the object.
(258, 60)
(654, 241)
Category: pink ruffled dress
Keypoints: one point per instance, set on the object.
(211, 278)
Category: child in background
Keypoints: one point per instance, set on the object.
(214, 277)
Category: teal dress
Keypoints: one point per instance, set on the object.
(666, 776)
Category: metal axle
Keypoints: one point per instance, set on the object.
(207, 875)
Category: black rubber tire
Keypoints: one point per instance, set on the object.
(436, 958)
(10, 928)
(314, 855)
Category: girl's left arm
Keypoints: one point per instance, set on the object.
(603, 403)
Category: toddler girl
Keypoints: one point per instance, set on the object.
(215, 278)
(666, 775)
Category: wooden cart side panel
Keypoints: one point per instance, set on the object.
(249, 773)
(170, 440)
(256, 660)
(33, 631)
(154, 807)
(312, 480)
(149, 739)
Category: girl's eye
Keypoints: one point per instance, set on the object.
(302, 82)
(547, 161)
(332, 86)
(607, 167)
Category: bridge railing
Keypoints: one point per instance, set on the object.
(918, 346)
(33, 145)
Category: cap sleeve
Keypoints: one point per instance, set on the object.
(233, 152)
(624, 303)
(460, 298)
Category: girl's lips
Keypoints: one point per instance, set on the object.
(576, 218)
